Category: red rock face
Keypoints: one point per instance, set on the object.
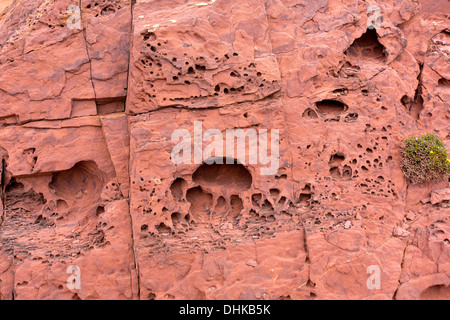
(94, 207)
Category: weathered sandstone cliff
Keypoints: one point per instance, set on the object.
(90, 97)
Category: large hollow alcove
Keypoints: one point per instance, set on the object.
(83, 182)
(331, 107)
(234, 176)
(367, 48)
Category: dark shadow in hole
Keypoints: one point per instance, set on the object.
(230, 174)
(367, 47)
(331, 107)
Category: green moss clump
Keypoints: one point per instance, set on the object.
(425, 159)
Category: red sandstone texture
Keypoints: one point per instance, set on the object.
(87, 114)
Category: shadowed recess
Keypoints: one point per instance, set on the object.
(331, 106)
(437, 292)
(232, 176)
(367, 47)
(83, 181)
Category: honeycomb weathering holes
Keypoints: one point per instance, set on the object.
(211, 180)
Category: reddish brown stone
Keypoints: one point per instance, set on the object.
(87, 179)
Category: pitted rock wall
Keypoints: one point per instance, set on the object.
(87, 178)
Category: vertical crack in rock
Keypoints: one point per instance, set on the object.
(133, 243)
(307, 261)
(132, 2)
(13, 271)
(2, 192)
(402, 263)
(417, 104)
(414, 105)
(135, 256)
(87, 51)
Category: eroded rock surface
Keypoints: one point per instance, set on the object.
(87, 179)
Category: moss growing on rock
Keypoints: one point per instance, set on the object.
(425, 159)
